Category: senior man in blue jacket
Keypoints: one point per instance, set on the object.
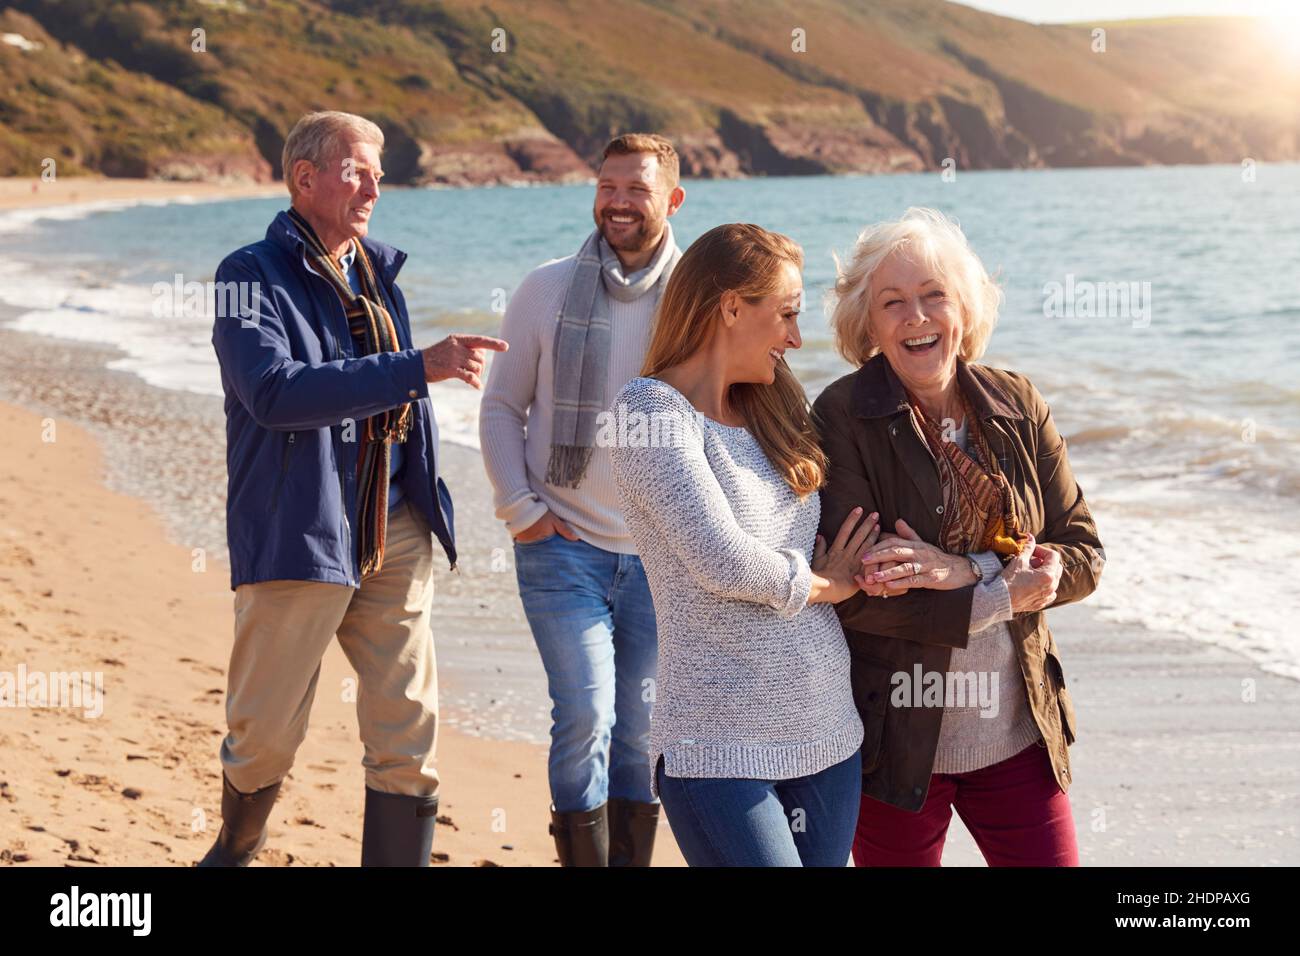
(333, 496)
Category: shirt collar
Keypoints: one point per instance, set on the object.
(345, 261)
(384, 259)
(877, 392)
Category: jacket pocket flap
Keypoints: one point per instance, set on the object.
(1066, 705)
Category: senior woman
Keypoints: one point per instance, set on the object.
(954, 670)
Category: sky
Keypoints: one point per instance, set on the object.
(1074, 11)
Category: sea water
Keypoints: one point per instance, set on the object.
(1157, 309)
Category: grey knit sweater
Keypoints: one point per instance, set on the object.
(752, 681)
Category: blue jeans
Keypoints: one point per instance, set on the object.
(805, 821)
(594, 623)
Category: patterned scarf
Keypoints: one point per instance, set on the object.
(978, 514)
(580, 358)
(372, 332)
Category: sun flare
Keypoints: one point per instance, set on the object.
(1282, 25)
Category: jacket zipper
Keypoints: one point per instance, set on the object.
(353, 570)
(347, 527)
(284, 471)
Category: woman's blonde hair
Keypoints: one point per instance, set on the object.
(745, 259)
(925, 236)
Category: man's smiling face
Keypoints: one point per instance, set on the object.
(631, 201)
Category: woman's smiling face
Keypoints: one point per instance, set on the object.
(916, 320)
(761, 331)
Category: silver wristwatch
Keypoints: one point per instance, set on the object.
(975, 566)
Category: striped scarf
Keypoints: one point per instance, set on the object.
(978, 513)
(372, 332)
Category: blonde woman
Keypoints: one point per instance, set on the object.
(965, 462)
(754, 735)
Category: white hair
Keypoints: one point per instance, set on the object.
(926, 236)
(317, 136)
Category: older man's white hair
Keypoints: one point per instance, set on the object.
(317, 138)
(926, 236)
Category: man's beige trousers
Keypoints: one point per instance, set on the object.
(384, 627)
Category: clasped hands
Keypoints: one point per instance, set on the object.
(892, 565)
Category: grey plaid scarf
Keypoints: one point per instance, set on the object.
(582, 343)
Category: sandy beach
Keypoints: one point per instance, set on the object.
(22, 193)
(90, 584)
(112, 562)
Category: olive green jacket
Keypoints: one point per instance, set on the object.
(879, 460)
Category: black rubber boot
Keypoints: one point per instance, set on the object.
(632, 829)
(581, 837)
(243, 825)
(398, 829)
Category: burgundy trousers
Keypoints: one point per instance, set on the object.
(1014, 809)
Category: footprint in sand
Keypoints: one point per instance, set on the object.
(200, 666)
(91, 781)
(273, 857)
(74, 852)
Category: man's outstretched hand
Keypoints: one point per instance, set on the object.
(460, 356)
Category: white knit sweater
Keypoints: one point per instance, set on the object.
(752, 681)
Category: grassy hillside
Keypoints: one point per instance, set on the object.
(90, 114)
(515, 90)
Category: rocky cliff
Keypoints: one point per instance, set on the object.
(529, 90)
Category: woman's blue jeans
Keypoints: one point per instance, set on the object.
(804, 821)
(592, 617)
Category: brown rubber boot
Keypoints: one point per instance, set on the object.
(632, 829)
(243, 825)
(581, 837)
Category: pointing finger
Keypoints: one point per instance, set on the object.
(483, 342)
